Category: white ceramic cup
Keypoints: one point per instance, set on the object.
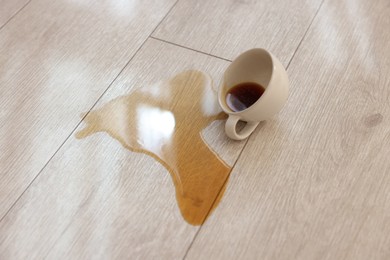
(261, 67)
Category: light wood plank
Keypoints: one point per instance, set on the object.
(314, 183)
(9, 8)
(56, 59)
(96, 199)
(226, 28)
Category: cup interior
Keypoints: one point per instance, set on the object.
(255, 65)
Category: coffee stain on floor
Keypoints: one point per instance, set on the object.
(165, 121)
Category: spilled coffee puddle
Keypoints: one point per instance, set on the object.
(165, 122)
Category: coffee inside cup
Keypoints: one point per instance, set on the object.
(243, 95)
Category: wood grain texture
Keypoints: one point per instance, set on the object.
(9, 8)
(314, 182)
(226, 28)
(97, 200)
(54, 65)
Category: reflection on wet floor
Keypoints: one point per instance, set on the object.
(165, 121)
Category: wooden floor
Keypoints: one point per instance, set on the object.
(310, 183)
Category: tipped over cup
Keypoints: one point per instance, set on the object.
(254, 88)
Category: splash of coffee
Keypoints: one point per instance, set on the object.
(165, 122)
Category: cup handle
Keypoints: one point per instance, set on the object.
(230, 128)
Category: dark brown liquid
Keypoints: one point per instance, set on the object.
(165, 121)
(243, 95)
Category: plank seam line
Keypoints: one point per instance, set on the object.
(246, 142)
(70, 223)
(188, 48)
(15, 14)
(82, 119)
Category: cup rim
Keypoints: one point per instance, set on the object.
(220, 96)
